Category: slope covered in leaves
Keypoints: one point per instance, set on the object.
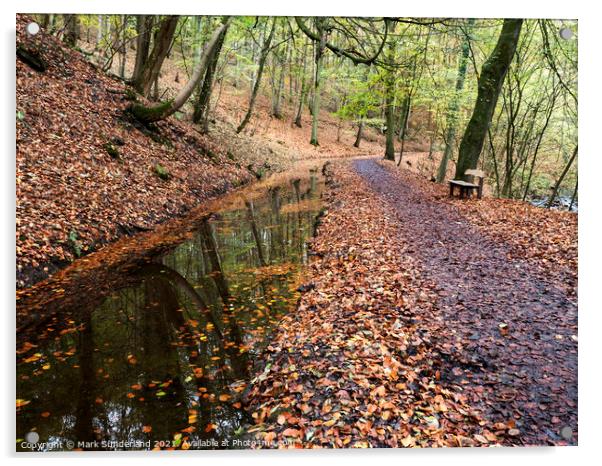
(72, 193)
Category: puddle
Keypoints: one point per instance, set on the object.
(160, 357)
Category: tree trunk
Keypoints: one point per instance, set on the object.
(407, 105)
(489, 86)
(574, 196)
(340, 122)
(169, 107)
(390, 101)
(151, 68)
(452, 110)
(276, 109)
(99, 33)
(144, 26)
(122, 46)
(262, 59)
(51, 24)
(405, 115)
(201, 108)
(71, 30)
(298, 120)
(360, 130)
(390, 125)
(317, 82)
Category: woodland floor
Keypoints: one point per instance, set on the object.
(421, 327)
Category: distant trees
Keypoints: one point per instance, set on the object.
(263, 56)
(508, 99)
(353, 37)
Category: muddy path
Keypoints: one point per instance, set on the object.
(523, 372)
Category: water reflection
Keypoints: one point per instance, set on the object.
(166, 356)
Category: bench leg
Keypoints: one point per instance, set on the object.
(451, 190)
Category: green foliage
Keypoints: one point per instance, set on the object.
(362, 99)
(75, 243)
(131, 94)
(149, 114)
(112, 150)
(161, 172)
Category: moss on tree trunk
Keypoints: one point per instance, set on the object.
(492, 77)
(147, 115)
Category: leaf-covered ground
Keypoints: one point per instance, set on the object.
(419, 329)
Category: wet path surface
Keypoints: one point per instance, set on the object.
(158, 353)
(522, 372)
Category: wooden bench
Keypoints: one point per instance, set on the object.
(465, 187)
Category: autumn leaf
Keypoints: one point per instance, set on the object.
(21, 403)
(291, 433)
(210, 427)
(408, 441)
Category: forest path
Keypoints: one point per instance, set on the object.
(526, 378)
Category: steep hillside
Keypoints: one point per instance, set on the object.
(86, 173)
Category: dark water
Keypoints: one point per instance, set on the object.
(560, 202)
(163, 360)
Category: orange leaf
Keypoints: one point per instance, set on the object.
(210, 427)
(291, 433)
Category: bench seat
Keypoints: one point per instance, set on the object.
(463, 183)
(466, 188)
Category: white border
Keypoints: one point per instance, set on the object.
(590, 171)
